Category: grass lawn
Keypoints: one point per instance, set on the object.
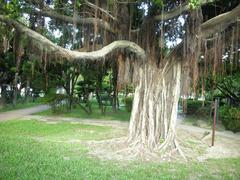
(78, 112)
(38, 150)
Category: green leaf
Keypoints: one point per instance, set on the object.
(194, 4)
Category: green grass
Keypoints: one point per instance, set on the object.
(33, 150)
(78, 112)
(10, 107)
(54, 132)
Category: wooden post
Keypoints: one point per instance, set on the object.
(217, 113)
(214, 121)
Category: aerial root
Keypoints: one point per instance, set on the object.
(179, 150)
(122, 149)
(167, 150)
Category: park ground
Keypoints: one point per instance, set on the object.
(44, 146)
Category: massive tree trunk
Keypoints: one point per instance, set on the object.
(154, 113)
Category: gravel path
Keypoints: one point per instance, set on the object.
(4, 116)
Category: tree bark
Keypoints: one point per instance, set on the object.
(99, 90)
(179, 10)
(48, 12)
(27, 90)
(114, 88)
(154, 113)
(19, 51)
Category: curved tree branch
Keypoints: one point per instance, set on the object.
(48, 12)
(178, 11)
(100, 9)
(74, 55)
(220, 22)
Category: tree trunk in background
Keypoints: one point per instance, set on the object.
(19, 51)
(70, 92)
(2, 98)
(4, 94)
(15, 89)
(154, 113)
(184, 105)
(98, 92)
(27, 90)
(115, 105)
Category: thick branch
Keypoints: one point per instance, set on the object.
(48, 12)
(102, 53)
(100, 9)
(220, 22)
(178, 11)
(74, 55)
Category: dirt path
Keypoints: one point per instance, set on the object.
(199, 130)
(4, 116)
(227, 144)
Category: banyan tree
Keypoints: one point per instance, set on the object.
(134, 35)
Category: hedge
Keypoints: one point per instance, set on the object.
(230, 117)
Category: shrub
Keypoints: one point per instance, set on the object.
(128, 103)
(230, 117)
(56, 101)
(194, 107)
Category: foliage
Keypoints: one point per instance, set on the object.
(128, 103)
(56, 101)
(194, 4)
(7, 69)
(10, 8)
(195, 107)
(230, 117)
(84, 87)
(79, 112)
(158, 2)
(229, 86)
(95, 81)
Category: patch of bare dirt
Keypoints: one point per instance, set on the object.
(227, 144)
(194, 141)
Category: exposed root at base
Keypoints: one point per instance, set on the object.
(179, 150)
(119, 149)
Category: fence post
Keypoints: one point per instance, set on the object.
(214, 120)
